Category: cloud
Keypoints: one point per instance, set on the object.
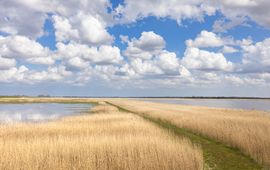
(247, 80)
(52, 74)
(177, 10)
(108, 55)
(205, 39)
(229, 49)
(124, 38)
(197, 59)
(234, 79)
(223, 25)
(63, 29)
(93, 30)
(74, 60)
(86, 50)
(256, 57)
(102, 55)
(48, 60)
(145, 68)
(83, 28)
(148, 57)
(76, 63)
(26, 75)
(23, 48)
(168, 63)
(15, 14)
(146, 46)
(13, 74)
(164, 65)
(6, 63)
(235, 11)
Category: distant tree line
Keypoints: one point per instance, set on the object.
(143, 97)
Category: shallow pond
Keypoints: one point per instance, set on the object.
(37, 112)
(248, 104)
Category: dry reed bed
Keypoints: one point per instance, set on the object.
(247, 130)
(103, 108)
(106, 140)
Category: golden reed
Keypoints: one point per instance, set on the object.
(247, 130)
(108, 139)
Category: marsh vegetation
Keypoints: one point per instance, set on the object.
(248, 131)
(104, 139)
(138, 135)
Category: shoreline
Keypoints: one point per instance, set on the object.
(18, 100)
(140, 97)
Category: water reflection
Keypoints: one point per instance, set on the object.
(248, 104)
(38, 112)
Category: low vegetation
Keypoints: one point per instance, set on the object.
(249, 131)
(106, 139)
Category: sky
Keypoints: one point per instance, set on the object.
(135, 48)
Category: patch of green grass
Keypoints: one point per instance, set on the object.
(216, 155)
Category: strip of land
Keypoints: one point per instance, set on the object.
(229, 137)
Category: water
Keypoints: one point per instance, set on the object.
(37, 112)
(247, 104)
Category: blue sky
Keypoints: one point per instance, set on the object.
(128, 48)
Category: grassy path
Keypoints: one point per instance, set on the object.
(216, 155)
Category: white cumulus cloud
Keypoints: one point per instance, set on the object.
(195, 58)
(21, 47)
(205, 39)
(146, 46)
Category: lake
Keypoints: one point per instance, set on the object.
(248, 104)
(37, 112)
